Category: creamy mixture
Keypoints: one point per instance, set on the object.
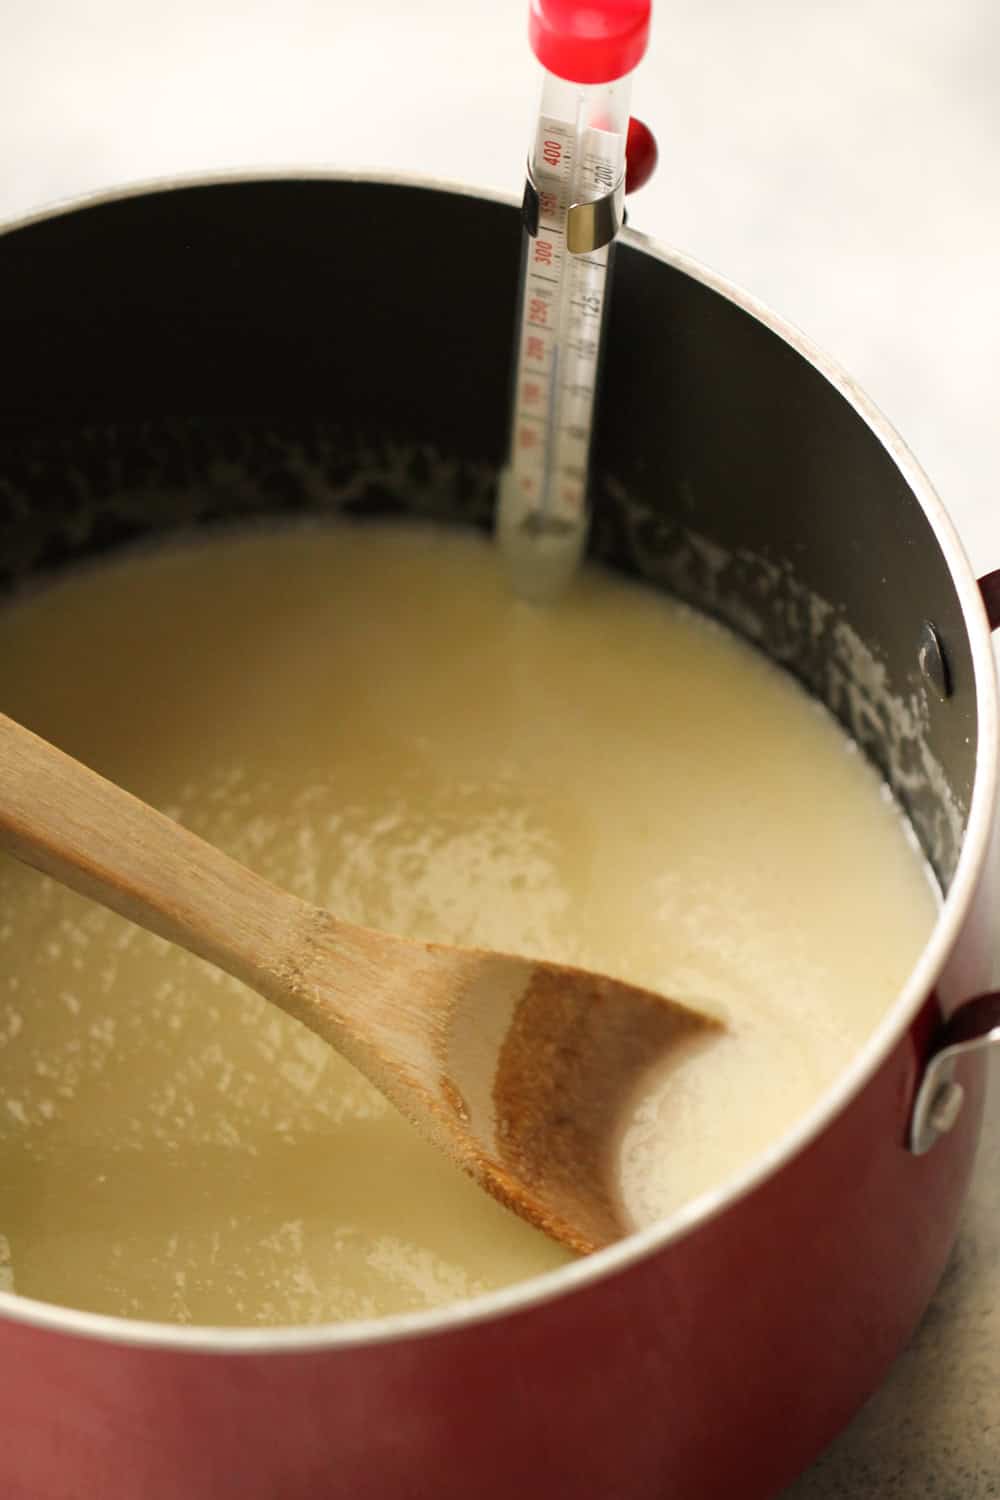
(366, 716)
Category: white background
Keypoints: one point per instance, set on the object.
(838, 158)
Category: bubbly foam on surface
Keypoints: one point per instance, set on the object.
(365, 716)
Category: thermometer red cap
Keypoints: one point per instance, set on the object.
(589, 41)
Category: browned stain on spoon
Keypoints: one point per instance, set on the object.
(568, 1072)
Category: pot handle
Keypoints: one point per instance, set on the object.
(939, 1099)
(989, 587)
(973, 1027)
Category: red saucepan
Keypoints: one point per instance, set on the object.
(245, 348)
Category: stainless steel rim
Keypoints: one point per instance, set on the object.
(595, 1268)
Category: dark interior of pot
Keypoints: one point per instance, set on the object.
(214, 353)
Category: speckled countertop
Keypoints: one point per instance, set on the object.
(839, 161)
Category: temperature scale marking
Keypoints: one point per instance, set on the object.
(557, 356)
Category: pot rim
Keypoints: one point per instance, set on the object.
(586, 1272)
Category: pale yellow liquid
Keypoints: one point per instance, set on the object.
(366, 717)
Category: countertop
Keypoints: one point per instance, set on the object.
(838, 161)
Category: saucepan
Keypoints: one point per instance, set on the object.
(179, 356)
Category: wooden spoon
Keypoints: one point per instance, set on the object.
(518, 1069)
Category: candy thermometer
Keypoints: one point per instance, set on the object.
(573, 209)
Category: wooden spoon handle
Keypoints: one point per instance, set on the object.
(70, 823)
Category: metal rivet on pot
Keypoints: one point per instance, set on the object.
(946, 1107)
(932, 661)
